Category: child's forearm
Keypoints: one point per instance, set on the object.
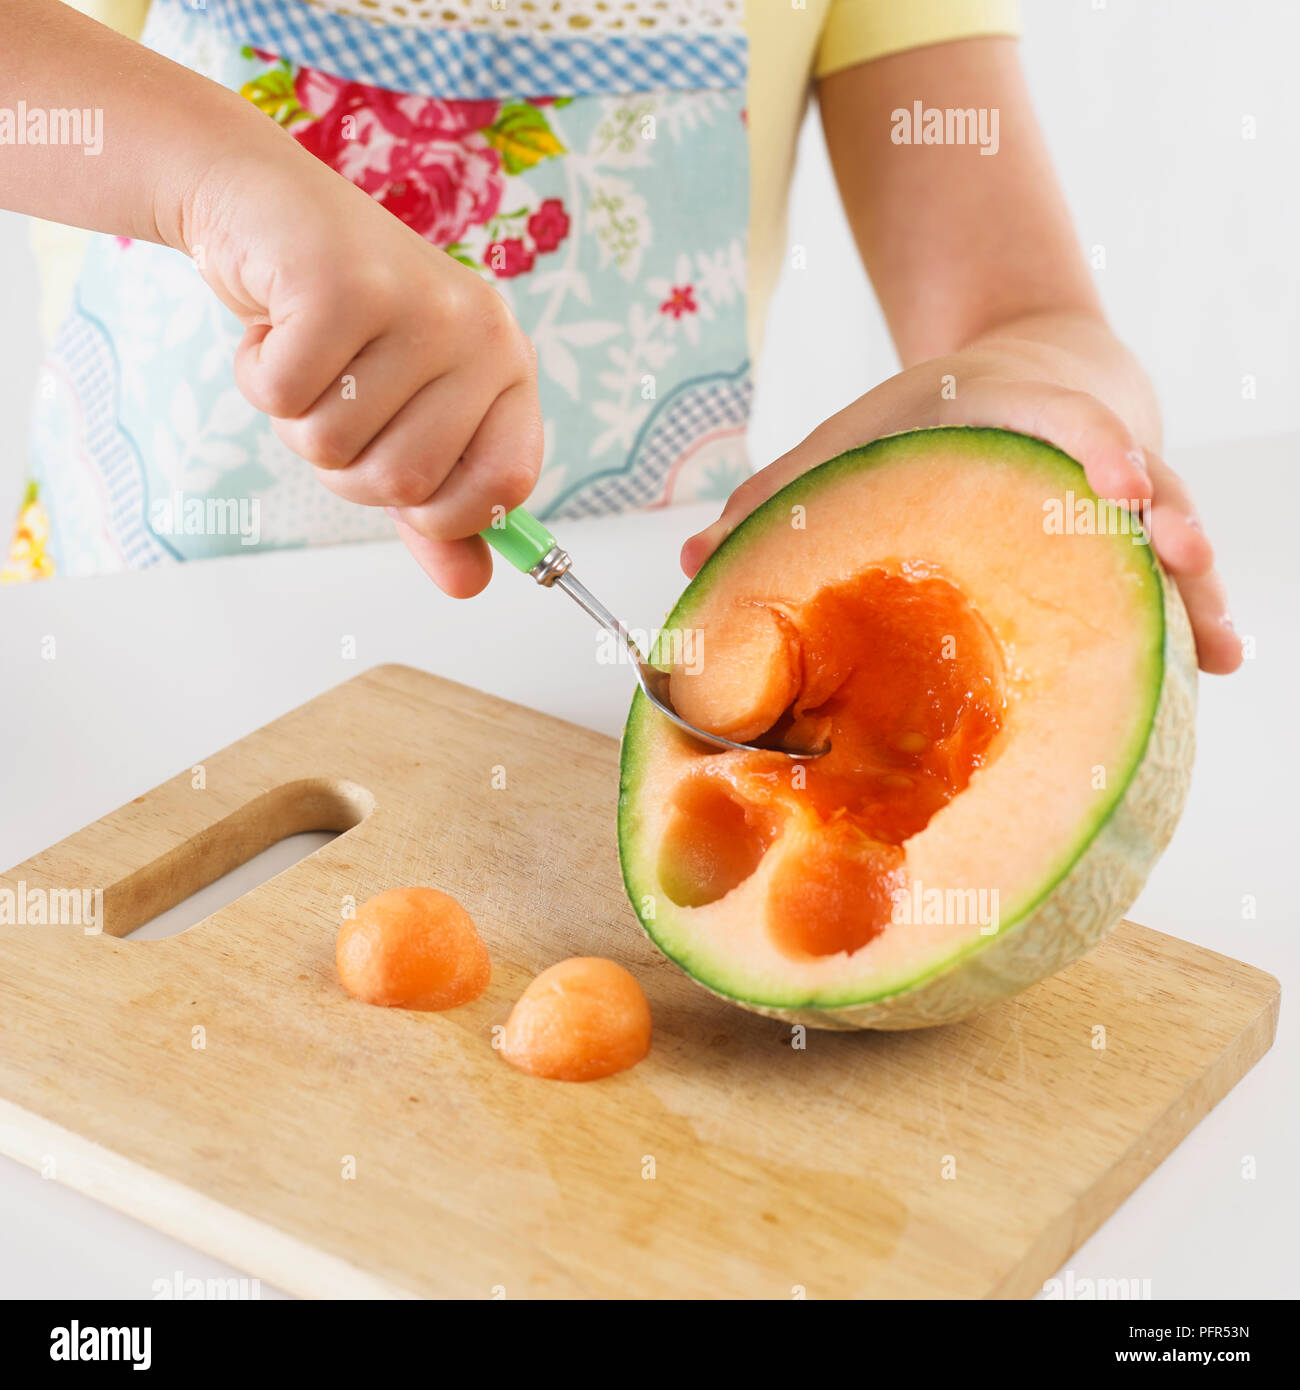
(974, 256)
(158, 126)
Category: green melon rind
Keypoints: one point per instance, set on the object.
(1080, 900)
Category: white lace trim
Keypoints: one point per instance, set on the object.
(568, 18)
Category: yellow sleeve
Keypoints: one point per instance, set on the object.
(859, 30)
(126, 16)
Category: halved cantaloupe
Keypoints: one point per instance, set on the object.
(1007, 680)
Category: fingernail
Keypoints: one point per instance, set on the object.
(391, 513)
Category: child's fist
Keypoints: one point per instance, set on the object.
(393, 369)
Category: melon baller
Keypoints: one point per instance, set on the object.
(529, 547)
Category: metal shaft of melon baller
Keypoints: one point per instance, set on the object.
(531, 548)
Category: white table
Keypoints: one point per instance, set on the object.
(155, 670)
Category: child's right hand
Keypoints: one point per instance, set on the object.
(392, 368)
(440, 419)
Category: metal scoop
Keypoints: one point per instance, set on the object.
(530, 547)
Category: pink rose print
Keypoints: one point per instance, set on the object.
(681, 300)
(549, 225)
(423, 158)
(509, 258)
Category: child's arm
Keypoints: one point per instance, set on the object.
(981, 280)
(445, 424)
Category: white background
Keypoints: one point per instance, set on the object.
(1144, 105)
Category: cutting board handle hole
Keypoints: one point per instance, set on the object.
(231, 857)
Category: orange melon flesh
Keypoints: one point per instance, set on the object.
(415, 948)
(907, 682)
(713, 843)
(1009, 712)
(836, 896)
(745, 681)
(580, 1020)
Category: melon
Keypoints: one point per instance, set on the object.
(1007, 680)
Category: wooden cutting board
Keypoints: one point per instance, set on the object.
(332, 1148)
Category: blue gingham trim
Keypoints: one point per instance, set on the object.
(696, 409)
(86, 355)
(459, 64)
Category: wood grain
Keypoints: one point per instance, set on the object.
(963, 1161)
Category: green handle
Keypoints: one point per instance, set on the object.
(520, 538)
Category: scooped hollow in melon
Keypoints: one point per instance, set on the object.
(1007, 681)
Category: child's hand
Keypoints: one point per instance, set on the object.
(1018, 383)
(396, 371)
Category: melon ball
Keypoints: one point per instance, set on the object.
(578, 1021)
(415, 948)
(746, 677)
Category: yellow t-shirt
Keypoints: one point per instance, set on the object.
(791, 42)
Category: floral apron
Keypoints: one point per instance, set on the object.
(589, 159)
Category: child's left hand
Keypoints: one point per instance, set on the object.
(1035, 386)
(991, 307)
